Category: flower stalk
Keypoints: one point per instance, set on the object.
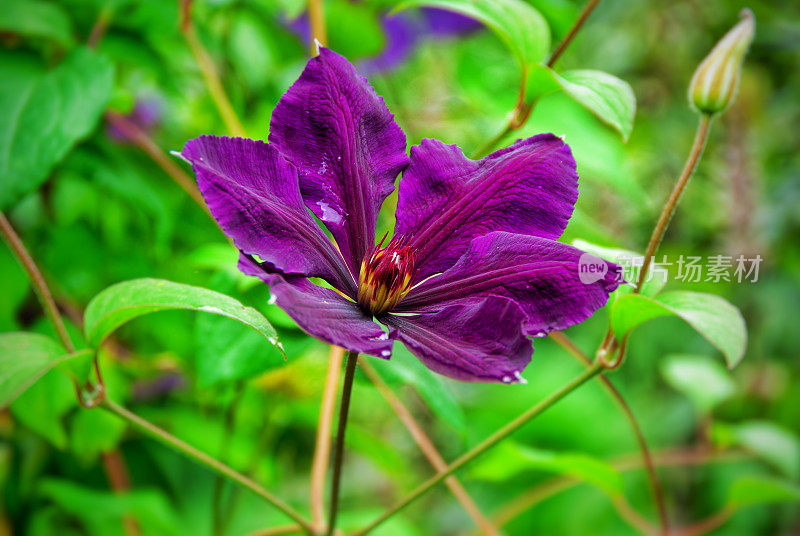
(338, 452)
(485, 445)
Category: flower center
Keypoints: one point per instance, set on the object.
(385, 277)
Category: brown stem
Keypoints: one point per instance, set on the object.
(672, 203)
(562, 46)
(100, 26)
(652, 476)
(278, 531)
(316, 18)
(338, 452)
(36, 279)
(117, 474)
(322, 448)
(429, 450)
(209, 72)
(140, 138)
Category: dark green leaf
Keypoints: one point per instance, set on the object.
(45, 113)
(125, 301)
(43, 405)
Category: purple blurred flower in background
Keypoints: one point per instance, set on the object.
(403, 31)
(473, 268)
(145, 115)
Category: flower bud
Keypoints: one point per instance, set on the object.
(715, 81)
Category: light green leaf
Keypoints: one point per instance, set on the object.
(35, 18)
(25, 358)
(752, 490)
(775, 444)
(519, 25)
(44, 114)
(609, 98)
(509, 459)
(606, 96)
(713, 317)
(125, 301)
(703, 380)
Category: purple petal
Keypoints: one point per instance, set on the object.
(253, 194)
(325, 314)
(339, 134)
(550, 281)
(446, 199)
(479, 340)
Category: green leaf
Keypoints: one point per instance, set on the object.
(752, 490)
(776, 445)
(95, 432)
(25, 358)
(125, 301)
(606, 96)
(609, 98)
(42, 406)
(713, 317)
(35, 18)
(703, 380)
(509, 459)
(45, 114)
(519, 25)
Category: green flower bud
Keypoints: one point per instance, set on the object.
(715, 81)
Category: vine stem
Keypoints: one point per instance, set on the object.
(338, 450)
(647, 459)
(672, 203)
(209, 72)
(522, 110)
(429, 450)
(213, 464)
(35, 276)
(322, 448)
(485, 445)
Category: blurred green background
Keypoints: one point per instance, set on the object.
(107, 212)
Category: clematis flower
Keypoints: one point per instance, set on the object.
(473, 268)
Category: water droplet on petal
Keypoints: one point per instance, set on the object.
(520, 379)
(386, 353)
(273, 299)
(507, 379)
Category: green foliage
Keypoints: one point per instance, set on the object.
(518, 24)
(711, 316)
(752, 490)
(38, 19)
(24, 358)
(125, 301)
(46, 113)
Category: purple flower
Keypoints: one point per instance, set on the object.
(473, 268)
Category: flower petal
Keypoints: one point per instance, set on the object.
(551, 282)
(253, 193)
(339, 134)
(479, 340)
(325, 314)
(446, 199)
